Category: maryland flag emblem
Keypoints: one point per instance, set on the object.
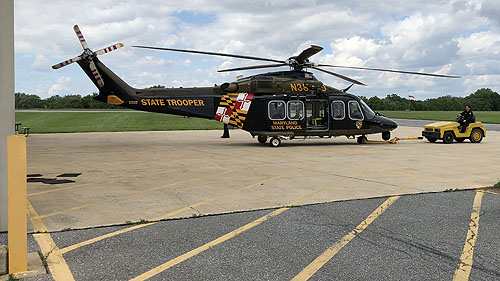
(233, 109)
(359, 124)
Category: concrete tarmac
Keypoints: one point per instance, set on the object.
(325, 209)
(136, 176)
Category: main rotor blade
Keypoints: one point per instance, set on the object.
(97, 76)
(307, 53)
(340, 76)
(210, 53)
(109, 49)
(252, 67)
(391, 70)
(80, 37)
(66, 62)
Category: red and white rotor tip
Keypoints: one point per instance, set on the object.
(80, 37)
(66, 62)
(88, 55)
(109, 49)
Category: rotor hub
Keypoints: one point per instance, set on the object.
(88, 54)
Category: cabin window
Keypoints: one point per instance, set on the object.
(309, 110)
(276, 110)
(355, 112)
(295, 110)
(338, 110)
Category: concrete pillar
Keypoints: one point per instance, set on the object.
(6, 97)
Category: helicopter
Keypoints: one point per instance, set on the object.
(279, 105)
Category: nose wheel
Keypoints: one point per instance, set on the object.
(386, 136)
(362, 139)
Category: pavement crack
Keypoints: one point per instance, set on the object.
(178, 196)
(427, 250)
(353, 178)
(369, 235)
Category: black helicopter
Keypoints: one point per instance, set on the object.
(277, 105)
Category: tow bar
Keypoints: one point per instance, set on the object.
(393, 140)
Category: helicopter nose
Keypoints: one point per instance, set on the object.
(387, 123)
(391, 124)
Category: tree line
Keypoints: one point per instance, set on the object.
(26, 101)
(482, 100)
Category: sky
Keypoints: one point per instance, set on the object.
(446, 37)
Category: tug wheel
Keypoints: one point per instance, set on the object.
(262, 139)
(476, 135)
(431, 139)
(275, 142)
(448, 137)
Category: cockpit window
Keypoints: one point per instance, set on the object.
(368, 111)
(338, 110)
(276, 110)
(355, 112)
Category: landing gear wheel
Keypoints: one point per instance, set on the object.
(459, 139)
(361, 139)
(262, 138)
(448, 137)
(476, 136)
(386, 136)
(431, 139)
(275, 142)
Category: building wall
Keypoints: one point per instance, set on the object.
(6, 97)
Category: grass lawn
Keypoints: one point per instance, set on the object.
(71, 122)
(481, 116)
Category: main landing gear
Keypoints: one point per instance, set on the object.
(275, 141)
(362, 139)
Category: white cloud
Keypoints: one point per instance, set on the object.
(481, 44)
(187, 63)
(41, 63)
(150, 61)
(460, 37)
(61, 87)
(176, 83)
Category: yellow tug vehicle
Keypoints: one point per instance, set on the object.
(449, 131)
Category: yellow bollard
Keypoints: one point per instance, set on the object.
(17, 221)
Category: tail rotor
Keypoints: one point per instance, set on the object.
(88, 56)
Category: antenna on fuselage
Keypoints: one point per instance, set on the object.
(347, 89)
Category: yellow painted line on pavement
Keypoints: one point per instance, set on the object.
(112, 199)
(207, 246)
(327, 255)
(102, 237)
(464, 267)
(57, 189)
(117, 198)
(164, 216)
(55, 261)
(426, 177)
(229, 235)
